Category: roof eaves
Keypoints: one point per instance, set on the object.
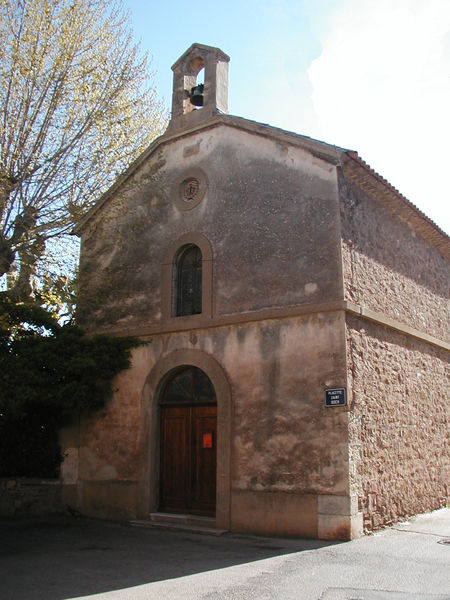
(418, 219)
(328, 152)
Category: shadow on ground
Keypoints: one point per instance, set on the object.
(63, 557)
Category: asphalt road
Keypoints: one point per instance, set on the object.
(65, 558)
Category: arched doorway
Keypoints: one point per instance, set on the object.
(188, 436)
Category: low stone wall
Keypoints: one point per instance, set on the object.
(24, 496)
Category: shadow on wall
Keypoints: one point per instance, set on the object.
(63, 557)
(385, 240)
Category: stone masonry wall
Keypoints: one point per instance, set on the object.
(25, 497)
(398, 430)
(390, 269)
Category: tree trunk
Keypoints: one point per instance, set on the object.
(28, 258)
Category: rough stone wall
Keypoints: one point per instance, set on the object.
(390, 269)
(399, 423)
(270, 213)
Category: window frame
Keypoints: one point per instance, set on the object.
(187, 292)
(168, 292)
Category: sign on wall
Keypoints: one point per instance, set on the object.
(336, 397)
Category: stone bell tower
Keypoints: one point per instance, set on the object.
(193, 102)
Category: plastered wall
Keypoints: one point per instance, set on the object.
(270, 213)
(283, 440)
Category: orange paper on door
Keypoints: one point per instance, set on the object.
(207, 440)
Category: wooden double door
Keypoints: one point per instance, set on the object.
(188, 459)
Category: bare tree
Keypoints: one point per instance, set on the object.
(77, 105)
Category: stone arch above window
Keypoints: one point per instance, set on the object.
(188, 263)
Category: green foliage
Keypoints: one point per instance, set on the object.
(58, 294)
(50, 375)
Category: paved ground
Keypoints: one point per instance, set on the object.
(61, 558)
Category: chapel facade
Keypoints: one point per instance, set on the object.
(294, 309)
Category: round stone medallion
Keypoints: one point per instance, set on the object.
(189, 189)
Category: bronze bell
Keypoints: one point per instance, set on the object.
(196, 95)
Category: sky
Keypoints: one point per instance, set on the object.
(367, 75)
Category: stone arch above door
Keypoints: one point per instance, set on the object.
(149, 481)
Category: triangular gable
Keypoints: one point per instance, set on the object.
(354, 167)
(320, 149)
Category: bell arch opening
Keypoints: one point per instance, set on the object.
(195, 85)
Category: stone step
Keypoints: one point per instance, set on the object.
(179, 524)
(184, 519)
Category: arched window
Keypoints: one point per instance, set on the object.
(188, 278)
(188, 385)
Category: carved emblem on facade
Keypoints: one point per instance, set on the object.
(190, 188)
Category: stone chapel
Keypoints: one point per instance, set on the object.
(295, 313)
